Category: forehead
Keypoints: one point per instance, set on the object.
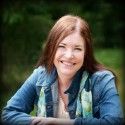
(73, 39)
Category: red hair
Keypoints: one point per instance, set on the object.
(63, 27)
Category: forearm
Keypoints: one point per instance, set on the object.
(15, 118)
(51, 121)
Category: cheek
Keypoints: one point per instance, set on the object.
(82, 60)
(58, 55)
(55, 58)
(80, 57)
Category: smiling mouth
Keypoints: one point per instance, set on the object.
(69, 64)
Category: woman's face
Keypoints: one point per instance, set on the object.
(69, 56)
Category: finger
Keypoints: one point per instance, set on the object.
(35, 121)
(41, 123)
(44, 121)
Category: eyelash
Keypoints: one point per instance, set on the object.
(61, 46)
(78, 49)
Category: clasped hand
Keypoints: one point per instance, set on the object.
(42, 121)
(51, 121)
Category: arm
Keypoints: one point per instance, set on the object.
(107, 110)
(21, 104)
(51, 121)
(108, 105)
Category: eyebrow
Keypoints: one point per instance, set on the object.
(62, 43)
(75, 45)
(78, 46)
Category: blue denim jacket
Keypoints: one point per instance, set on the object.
(106, 102)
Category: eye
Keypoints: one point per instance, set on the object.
(79, 49)
(61, 46)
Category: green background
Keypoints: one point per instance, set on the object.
(25, 26)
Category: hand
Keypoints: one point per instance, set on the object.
(42, 121)
(51, 121)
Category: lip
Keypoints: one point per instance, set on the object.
(67, 63)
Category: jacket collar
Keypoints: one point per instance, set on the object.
(46, 79)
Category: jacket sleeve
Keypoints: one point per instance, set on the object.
(107, 109)
(17, 110)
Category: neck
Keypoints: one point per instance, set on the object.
(64, 82)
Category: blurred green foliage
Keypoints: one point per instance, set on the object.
(26, 25)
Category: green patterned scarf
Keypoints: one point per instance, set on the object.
(84, 100)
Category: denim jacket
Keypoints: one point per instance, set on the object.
(106, 105)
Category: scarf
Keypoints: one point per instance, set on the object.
(84, 99)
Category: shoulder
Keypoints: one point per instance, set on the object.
(36, 75)
(39, 70)
(101, 75)
(103, 85)
(102, 78)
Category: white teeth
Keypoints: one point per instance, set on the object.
(67, 63)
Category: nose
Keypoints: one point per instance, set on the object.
(69, 54)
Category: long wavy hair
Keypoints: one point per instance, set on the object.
(65, 26)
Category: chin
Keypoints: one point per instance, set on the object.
(68, 73)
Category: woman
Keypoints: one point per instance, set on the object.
(69, 87)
